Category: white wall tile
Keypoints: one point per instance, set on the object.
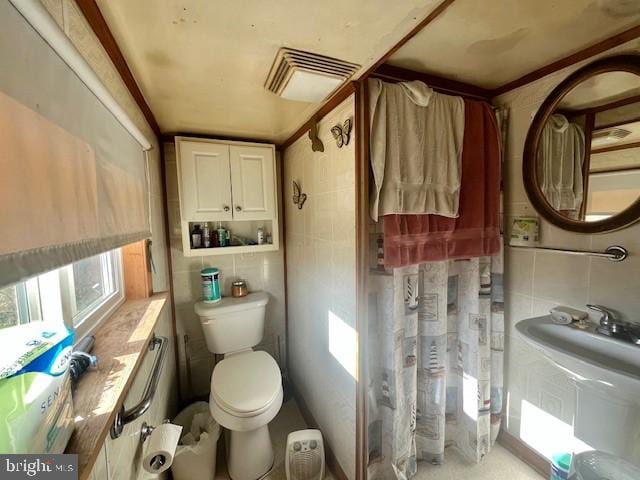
(261, 271)
(321, 281)
(536, 282)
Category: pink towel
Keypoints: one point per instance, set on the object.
(411, 239)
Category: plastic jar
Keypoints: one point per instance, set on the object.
(210, 285)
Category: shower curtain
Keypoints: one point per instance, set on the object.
(436, 350)
(435, 363)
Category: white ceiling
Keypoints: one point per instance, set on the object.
(492, 42)
(602, 89)
(201, 65)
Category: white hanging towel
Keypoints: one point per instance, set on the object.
(416, 149)
(560, 160)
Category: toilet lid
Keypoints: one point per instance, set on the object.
(246, 383)
(596, 465)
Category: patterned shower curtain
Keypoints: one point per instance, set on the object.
(436, 360)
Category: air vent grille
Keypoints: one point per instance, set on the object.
(610, 134)
(305, 76)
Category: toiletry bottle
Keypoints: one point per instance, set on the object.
(206, 239)
(260, 236)
(196, 237)
(222, 235)
(228, 237)
(214, 238)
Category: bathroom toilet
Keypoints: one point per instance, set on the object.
(246, 386)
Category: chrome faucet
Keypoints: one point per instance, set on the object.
(610, 325)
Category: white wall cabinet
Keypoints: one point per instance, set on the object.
(233, 184)
(205, 174)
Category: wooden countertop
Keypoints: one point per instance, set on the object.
(121, 343)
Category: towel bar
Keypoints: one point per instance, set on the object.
(125, 416)
(615, 253)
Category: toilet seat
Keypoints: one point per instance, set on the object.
(246, 384)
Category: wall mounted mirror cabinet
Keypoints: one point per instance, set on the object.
(581, 161)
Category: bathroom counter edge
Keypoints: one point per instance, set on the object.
(120, 346)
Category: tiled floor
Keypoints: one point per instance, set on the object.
(289, 419)
(500, 464)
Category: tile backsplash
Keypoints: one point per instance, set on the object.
(537, 391)
(261, 271)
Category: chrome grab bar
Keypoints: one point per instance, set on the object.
(615, 253)
(125, 416)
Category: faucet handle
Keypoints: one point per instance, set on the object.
(607, 315)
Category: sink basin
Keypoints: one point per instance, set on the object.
(606, 375)
(605, 363)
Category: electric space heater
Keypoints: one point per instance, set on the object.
(305, 455)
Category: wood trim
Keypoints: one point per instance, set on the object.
(614, 148)
(604, 107)
(615, 170)
(136, 269)
(435, 13)
(362, 255)
(170, 137)
(93, 15)
(590, 121)
(444, 85)
(349, 88)
(339, 97)
(624, 63)
(524, 453)
(331, 459)
(569, 60)
(618, 123)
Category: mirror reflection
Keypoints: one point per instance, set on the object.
(588, 163)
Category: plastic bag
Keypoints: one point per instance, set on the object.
(196, 453)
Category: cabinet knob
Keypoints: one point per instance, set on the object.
(226, 208)
(238, 208)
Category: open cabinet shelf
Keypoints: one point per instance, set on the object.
(231, 185)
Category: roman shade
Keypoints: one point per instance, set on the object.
(73, 179)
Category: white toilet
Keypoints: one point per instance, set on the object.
(246, 386)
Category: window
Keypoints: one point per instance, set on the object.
(81, 294)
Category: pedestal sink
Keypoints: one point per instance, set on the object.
(606, 373)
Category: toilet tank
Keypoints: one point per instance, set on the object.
(233, 323)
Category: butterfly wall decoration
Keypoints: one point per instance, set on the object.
(298, 197)
(342, 134)
(316, 143)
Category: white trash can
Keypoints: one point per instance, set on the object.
(195, 456)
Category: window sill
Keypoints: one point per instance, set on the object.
(121, 343)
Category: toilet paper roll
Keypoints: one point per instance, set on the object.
(160, 448)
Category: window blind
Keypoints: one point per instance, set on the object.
(73, 179)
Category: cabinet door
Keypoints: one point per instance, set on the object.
(205, 181)
(253, 183)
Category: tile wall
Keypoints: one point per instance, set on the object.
(262, 272)
(120, 458)
(320, 249)
(536, 281)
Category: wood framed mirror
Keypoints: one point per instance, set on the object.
(581, 165)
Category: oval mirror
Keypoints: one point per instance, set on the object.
(581, 162)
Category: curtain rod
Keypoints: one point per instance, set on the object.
(39, 18)
(437, 88)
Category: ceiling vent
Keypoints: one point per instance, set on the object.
(307, 77)
(608, 135)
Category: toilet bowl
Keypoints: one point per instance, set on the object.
(246, 394)
(246, 386)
